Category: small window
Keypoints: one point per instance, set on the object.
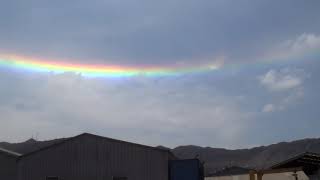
(52, 178)
(119, 178)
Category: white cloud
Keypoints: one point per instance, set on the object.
(299, 46)
(303, 43)
(268, 108)
(282, 80)
(286, 85)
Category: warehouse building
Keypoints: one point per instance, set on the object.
(85, 157)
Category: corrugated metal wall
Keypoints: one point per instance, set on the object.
(7, 167)
(94, 158)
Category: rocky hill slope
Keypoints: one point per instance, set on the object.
(257, 158)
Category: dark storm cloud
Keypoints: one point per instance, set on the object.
(152, 32)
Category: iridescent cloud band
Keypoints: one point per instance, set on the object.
(43, 65)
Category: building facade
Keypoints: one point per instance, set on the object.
(87, 157)
(8, 164)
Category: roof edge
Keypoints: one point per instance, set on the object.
(12, 153)
(276, 165)
(126, 142)
(96, 136)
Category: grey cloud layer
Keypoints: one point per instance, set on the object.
(152, 32)
(70, 104)
(232, 107)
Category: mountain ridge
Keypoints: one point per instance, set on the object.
(214, 158)
(260, 157)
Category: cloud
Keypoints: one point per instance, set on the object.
(203, 110)
(282, 80)
(159, 33)
(67, 104)
(268, 108)
(286, 85)
(284, 102)
(306, 43)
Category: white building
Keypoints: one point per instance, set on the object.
(238, 173)
(304, 166)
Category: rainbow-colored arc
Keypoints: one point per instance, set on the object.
(40, 65)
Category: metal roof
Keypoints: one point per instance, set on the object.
(96, 136)
(34, 147)
(308, 161)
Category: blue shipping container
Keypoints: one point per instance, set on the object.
(190, 169)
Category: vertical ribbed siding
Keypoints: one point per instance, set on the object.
(93, 158)
(8, 167)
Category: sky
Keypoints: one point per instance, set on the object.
(218, 73)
